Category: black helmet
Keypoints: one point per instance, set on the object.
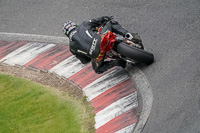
(68, 27)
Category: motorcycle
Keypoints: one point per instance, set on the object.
(115, 46)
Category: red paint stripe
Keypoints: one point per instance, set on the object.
(3, 44)
(120, 122)
(41, 56)
(50, 58)
(86, 76)
(8, 47)
(112, 95)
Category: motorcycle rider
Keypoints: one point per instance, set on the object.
(84, 41)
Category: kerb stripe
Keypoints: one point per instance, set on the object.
(26, 53)
(115, 109)
(8, 47)
(68, 67)
(50, 58)
(105, 82)
(112, 95)
(86, 76)
(119, 122)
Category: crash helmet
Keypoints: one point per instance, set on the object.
(68, 27)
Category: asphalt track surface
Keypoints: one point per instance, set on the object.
(169, 29)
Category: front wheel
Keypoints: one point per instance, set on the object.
(135, 53)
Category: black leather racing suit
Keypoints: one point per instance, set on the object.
(82, 38)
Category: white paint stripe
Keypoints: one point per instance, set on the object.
(74, 68)
(65, 66)
(104, 83)
(68, 67)
(26, 53)
(115, 109)
(17, 51)
(61, 64)
(128, 129)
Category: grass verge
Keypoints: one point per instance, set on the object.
(26, 106)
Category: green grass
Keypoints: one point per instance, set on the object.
(27, 107)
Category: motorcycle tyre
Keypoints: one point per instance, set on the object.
(135, 53)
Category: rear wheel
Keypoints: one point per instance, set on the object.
(135, 53)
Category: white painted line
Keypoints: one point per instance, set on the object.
(16, 52)
(115, 109)
(74, 68)
(68, 67)
(26, 53)
(128, 129)
(104, 83)
(58, 66)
